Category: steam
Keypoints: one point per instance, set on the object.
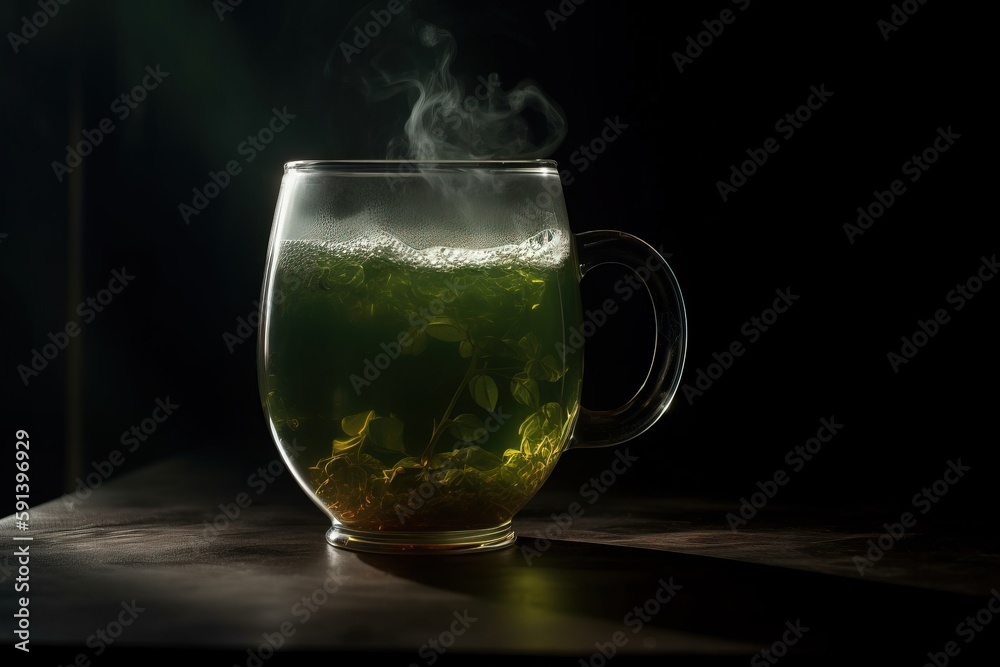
(447, 120)
(488, 123)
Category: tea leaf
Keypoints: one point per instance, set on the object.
(401, 472)
(447, 476)
(532, 422)
(510, 477)
(442, 460)
(475, 478)
(514, 349)
(368, 467)
(530, 345)
(467, 427)
(525, 390)
(484, 391)
(446, 329)
(552, 413)
(534, 433)
(478, 458)
(491, 346)
(416, 342)
(387, 433)
(355, 424)
(344, 446)
(551, 368)
(351, 275)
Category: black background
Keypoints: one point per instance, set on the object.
(826, 357)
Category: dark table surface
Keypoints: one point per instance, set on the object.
(143, 538)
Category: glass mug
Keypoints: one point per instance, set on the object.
(420, 356)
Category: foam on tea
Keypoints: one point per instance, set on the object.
(414, 387)
(548, 249)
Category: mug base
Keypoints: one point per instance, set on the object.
(422, 543)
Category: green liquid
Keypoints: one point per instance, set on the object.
(413, 398)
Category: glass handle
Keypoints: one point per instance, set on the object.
(601, 428)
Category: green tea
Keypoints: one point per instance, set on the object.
(427, 389)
